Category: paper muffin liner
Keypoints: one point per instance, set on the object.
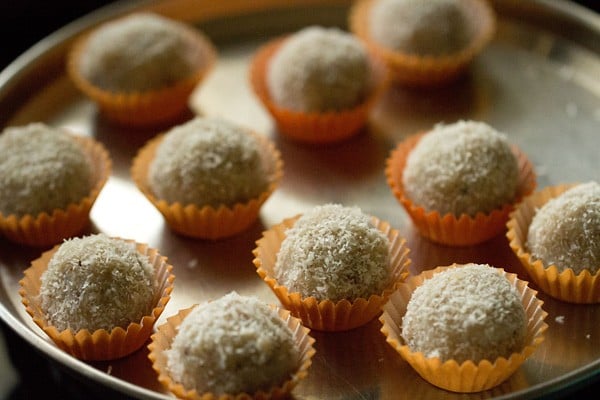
(468, 376)
(207, 222)
(163, 338)
(145, 108)
(99, 344)
(583, 288)
(426, 71)
(46, 229)
(326, 315)
(449, 229)
(314, 127)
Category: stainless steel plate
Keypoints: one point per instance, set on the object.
(539, 82)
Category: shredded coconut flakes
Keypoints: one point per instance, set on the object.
(319, 69)
(230, 345)
(97, 282)
(566, 230)
(41, 169)
(208, 161)
(432, 27)
(141, 52)
(461, 168)
(465, 313)
(334, 252)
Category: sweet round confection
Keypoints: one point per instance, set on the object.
(138, 53)
(461, 168)
(208, 161)
(424, 43)
(475, 313)
(319, 69)
(41, 169)
(424, 28)
(333, 253)
(97, 282)
(566, 230)
(231, 345)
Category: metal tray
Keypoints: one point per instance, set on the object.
(539, 82)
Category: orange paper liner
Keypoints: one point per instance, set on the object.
(100, 344)
(327, 315)
(583, 288)
(208, 222)
(426, 71)
(448, 229)
(466, 377)
(46, 229)
(165, 334)
(313, 127)
(147, 108)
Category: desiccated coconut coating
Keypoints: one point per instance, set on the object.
(424, 28)
(41, 169)
(141, 52)
(566, 230)
(97, 282)
(466, 313)
(319, 69)
(462, 168)
(231, 345)
(334, 252)
(208, 161)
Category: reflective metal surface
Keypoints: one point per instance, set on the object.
(538, 85)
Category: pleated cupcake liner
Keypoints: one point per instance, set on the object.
(448, 229)
(150, 107)
(163, 339)
(314, 127)
(49, 228)
(100, 344)
(326, 315)
(426, 71)
(583, 288)
(208, 222)
(468, 376)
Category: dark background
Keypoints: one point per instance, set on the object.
(24, 23)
